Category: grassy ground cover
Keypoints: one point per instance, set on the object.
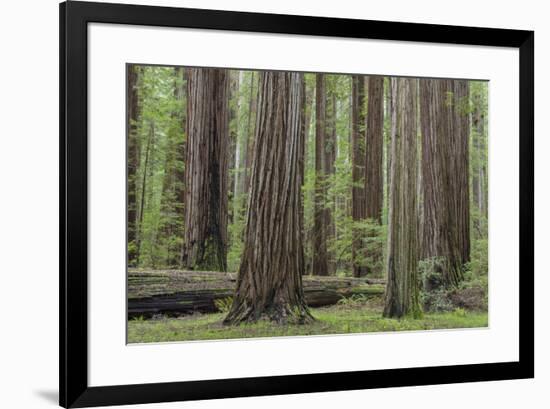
(353, 316)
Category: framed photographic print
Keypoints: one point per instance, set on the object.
(251, 204)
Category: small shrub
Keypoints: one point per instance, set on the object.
(430, 271)
(479, 264)
(355, 300)
(460, 312)
(224, 304)
(236, 235)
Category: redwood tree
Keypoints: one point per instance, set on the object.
(374, 168)
(320, 256)
(402, 295)
(358, 199)
(461, 162)
(206, 171)
(444, 180)
(374, 163)
(270, 275)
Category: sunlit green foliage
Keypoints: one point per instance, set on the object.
(161, 140)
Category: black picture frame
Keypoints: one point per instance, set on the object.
(73, 350)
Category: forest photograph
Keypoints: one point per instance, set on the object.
(275, 203)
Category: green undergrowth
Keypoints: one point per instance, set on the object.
(344, 318)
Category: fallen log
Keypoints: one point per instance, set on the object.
(175, 292)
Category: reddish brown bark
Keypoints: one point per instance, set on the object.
(374, 168)
(320, 256)
(461, 119)
(206, 172)
(402, 294)
(270, 275)
(445, 179)
(358, 199)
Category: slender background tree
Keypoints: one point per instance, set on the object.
(133, 160)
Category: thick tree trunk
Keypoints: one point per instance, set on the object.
(420, 180)
(374, 163)
(133, 161)
(444, 169)
(402, 297)
(304, 129)
(270, 275)
(205, 244)
(320, 256)
(374, 167)
(358, 199)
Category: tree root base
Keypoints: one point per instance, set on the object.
(278, 314)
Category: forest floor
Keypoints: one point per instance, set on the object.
(350, 316)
